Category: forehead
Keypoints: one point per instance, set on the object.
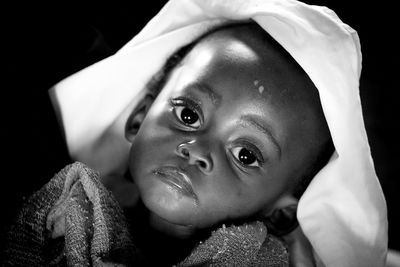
(245, 64)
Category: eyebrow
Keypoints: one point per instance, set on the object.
(214, 97)
(258, 124)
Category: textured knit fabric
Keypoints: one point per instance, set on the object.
(246, 245)
(75, 221)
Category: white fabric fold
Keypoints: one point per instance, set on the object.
(343, 211)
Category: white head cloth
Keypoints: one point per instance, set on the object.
(343, 211)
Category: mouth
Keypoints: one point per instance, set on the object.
(177, 179)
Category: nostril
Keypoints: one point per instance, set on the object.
(205, 164)
(185, 152)
(202, 164)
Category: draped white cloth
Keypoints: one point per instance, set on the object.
(343, 211)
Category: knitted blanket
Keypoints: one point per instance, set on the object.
(75, 221)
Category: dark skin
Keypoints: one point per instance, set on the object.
(226, 139)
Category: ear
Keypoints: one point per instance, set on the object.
(137, 116)
(282, 219)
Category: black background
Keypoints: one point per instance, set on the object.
(45, 43)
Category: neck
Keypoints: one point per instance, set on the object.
(159, 243)
(123, 189)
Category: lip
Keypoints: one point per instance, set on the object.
(176, 178)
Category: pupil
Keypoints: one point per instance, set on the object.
(246, 157)
(188, 116)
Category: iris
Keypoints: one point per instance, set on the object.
(188, 116)
(246, 157)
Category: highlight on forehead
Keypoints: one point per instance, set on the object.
(281, 71)
(247, 31)
(250, 32)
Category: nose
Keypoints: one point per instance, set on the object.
(196, 155)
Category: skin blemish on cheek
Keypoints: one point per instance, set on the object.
(260, 88)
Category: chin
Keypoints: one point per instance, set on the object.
(168, 228)
(167, 203)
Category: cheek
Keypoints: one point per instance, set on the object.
(225, 198)
(260, 194)
(153, 142)
(156, 131)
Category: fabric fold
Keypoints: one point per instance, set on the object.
(73, 220)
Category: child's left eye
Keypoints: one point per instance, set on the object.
(245, 157)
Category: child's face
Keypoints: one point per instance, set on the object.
(230, 134)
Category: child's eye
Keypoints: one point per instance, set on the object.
(187, 111)
(245, 157)
(187, 116)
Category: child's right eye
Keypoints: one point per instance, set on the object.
(187, 116)
(187, 112)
